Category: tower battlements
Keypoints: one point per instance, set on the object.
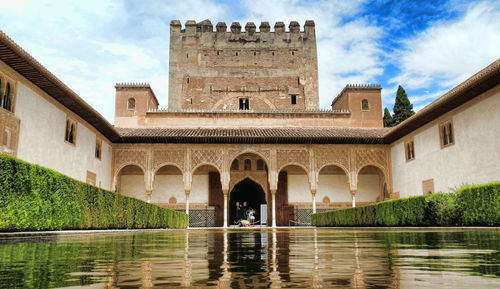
(205, 31)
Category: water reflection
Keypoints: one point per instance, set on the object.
(275, 258)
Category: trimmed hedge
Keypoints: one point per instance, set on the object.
(469, 206)
(36, 198)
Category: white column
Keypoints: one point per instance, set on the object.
(353, 194)
(313, 193)
(273, 194)
(148, 196)
(187, 204)
(225, 209)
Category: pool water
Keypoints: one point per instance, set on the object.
(254, 258)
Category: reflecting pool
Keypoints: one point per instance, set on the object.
(254, 258)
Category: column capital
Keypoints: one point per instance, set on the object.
(225, 192)
(187, 191)
(353, 192)
(313, 192)
(273, 191)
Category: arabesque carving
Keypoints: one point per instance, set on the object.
(139, 157)
(168, 156)
(285, 157)
(213, 157)
(331, 157)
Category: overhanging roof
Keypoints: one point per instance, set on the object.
(477, 84)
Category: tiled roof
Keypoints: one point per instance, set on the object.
(254, 135)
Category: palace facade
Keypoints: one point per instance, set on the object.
(243, 125)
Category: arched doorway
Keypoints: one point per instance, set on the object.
(246, 192)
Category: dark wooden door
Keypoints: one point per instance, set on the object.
(215, 197)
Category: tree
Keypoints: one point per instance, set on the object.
(403, 109)
(388, 121)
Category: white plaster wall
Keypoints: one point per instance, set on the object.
(167, 186)
(199, 189)
(41, 140)
(133, 186)
(298, 189)
(368, 188)
(335, 187)
(473, 159)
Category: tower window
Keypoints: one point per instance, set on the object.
(187, 80)
(293, 52)
(293, 99)
(272, 53)
(254, 53)
(248, 165)
(236, 53)
(365, 106)
(131, 104)
(244, 104)
(446, 134)
(217, 53)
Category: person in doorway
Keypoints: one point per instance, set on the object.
(251, 216)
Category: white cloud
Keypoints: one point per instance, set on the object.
(447, 53)
(91, 45)
(348, 52)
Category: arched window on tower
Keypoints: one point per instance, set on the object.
(248, 165)
(260, 165)
(365, 106)
(131, 104)
(235, 165)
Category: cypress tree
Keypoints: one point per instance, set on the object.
(388, 121)
(403, 109)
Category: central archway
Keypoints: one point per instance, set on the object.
(246, 191)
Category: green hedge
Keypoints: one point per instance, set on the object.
(36, 198)
(469, 206)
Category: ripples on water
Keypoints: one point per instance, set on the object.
(291, 258)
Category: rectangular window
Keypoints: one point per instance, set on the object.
(98, 148)
(293, 98)
(70, 134)
(446, 134)
(410, 150)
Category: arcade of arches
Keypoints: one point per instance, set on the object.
(292, 181)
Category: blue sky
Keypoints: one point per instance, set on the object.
(428, 47)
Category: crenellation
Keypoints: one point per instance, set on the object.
(250, 28)
(294, 27)
(221, 27)
(191, 28)
(264, 27)
(279, 27)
